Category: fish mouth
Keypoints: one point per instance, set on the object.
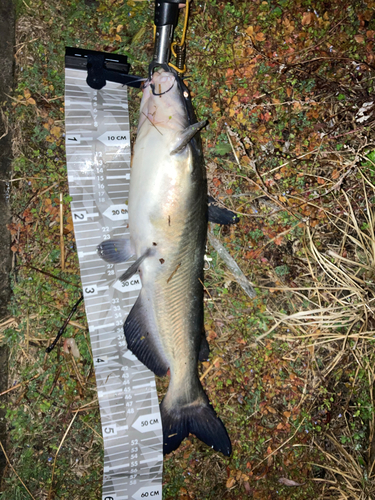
(161, 82)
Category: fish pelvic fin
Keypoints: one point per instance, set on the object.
(198, 418)
(115, 250)
(187, 136)
(220, 215)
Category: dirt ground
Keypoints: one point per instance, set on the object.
(288, 89)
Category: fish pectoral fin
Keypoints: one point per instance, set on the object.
(220, 215)
(142, 340)
(115, 250)
(187, 135)
(134, 267)
(198, 418)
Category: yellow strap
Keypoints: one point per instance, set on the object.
(174, 44)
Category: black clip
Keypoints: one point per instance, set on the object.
(101, 67)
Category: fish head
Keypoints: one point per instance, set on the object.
(162, 103)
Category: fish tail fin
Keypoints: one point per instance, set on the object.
(198, 418)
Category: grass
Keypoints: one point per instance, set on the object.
(290, 149)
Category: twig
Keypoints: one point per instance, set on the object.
(57, 452)
(20, 384)
(209, 369)
(84, 407)
(51, 275)
(93, 430)
(7, 322)
(283, 444)
(14, 470)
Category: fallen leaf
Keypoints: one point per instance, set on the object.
(359, 38)
(307, 18)
(230, 482)
(215, 107)
(260, 37)
(247, 487)
(56, 131)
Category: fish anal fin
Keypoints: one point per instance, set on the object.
(198, 418)
(141, 339)
(220, 215)
(187, 136)
(115, 250)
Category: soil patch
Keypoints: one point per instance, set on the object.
(7, 37)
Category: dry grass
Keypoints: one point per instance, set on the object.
(333, 317)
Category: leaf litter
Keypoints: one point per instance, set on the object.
(287, 90)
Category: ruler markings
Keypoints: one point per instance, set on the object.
(92, 119)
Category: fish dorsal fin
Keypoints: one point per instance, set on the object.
(115, 250)
(187, 135)
(142, 338)
(134, 267)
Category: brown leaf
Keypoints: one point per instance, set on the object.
(289, 482)
(359, 38)
(307, 18)
(247, 487)
(250, 30)
(260, 37)
(279, 241)
(271, 410)
(56, 131)
(230, 482)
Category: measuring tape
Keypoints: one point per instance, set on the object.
(98, 160)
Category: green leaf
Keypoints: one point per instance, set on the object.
(222, 148)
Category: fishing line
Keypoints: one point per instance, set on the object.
(63, 328)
